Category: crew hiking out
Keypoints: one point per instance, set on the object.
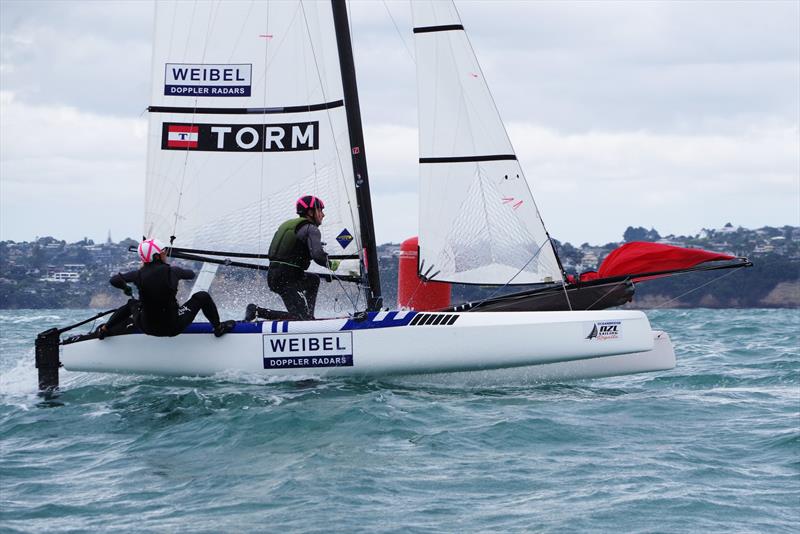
(156, 312)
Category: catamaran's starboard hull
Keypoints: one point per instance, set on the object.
(390, 343)
(660, 358)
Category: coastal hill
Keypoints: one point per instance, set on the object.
(51, 273)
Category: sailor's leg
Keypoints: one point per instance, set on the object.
(288, 283)
(295, 301)
(119, 320)
(199, 301)
(310, 289)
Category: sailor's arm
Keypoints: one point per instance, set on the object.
(314, 241)
(121, 280)
(181, 273)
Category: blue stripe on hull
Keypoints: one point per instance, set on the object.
(389, 321)
(240, 328)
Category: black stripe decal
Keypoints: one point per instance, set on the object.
(444, 28)
(247, 111)
(465, 159)
(429, 320)
(434, 319)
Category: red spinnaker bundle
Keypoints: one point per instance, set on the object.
(640, 257)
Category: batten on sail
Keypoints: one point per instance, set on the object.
(478, 221)
(247, 114)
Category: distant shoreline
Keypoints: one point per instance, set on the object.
(53, 274)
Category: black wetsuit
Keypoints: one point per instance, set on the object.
(157, 312)
(295, 244)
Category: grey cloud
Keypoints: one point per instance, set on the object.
(90, 55)
(665, 72)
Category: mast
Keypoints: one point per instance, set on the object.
(357, 152)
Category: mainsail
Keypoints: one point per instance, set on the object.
(247, 115)
(478, 221)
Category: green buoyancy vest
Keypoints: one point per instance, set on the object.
(285, 246)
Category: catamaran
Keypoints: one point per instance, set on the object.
(255, 104)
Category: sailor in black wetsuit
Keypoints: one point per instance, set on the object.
(157, 312)
(297, 242)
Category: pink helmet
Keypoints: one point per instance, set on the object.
(149, 248)
(308, 202)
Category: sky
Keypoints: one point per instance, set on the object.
(672, 115)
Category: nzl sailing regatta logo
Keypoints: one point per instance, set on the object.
(240, 137)
(192, 79)
(604, 330)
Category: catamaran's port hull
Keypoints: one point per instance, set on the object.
(561, 344)
(660, 358)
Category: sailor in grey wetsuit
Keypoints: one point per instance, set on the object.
(297, 242)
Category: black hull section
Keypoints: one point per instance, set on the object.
(581, 297)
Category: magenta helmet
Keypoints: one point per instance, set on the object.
(308, 202)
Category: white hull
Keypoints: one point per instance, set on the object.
(557, 344)
(660, 358)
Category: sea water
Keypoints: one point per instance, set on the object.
(711, 446)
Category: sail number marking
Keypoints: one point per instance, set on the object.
(308, 350)
(240, 137)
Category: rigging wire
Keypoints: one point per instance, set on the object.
(222, 182)
(353, 303)
(267, 39)
(672, 299)
(566, 294)
(718, 278)
(214, 11)
(154, 189)
(330, 125)
(601, 297)
(469, 119)
(508, 139)
(496, 291)
(399, 33)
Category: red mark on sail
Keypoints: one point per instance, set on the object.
(518, 204)
(266, 36)
(182, 136)
(506, 200)
(473, 74)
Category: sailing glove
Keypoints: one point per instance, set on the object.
(127, 290)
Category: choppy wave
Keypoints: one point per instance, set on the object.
(711, 445)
